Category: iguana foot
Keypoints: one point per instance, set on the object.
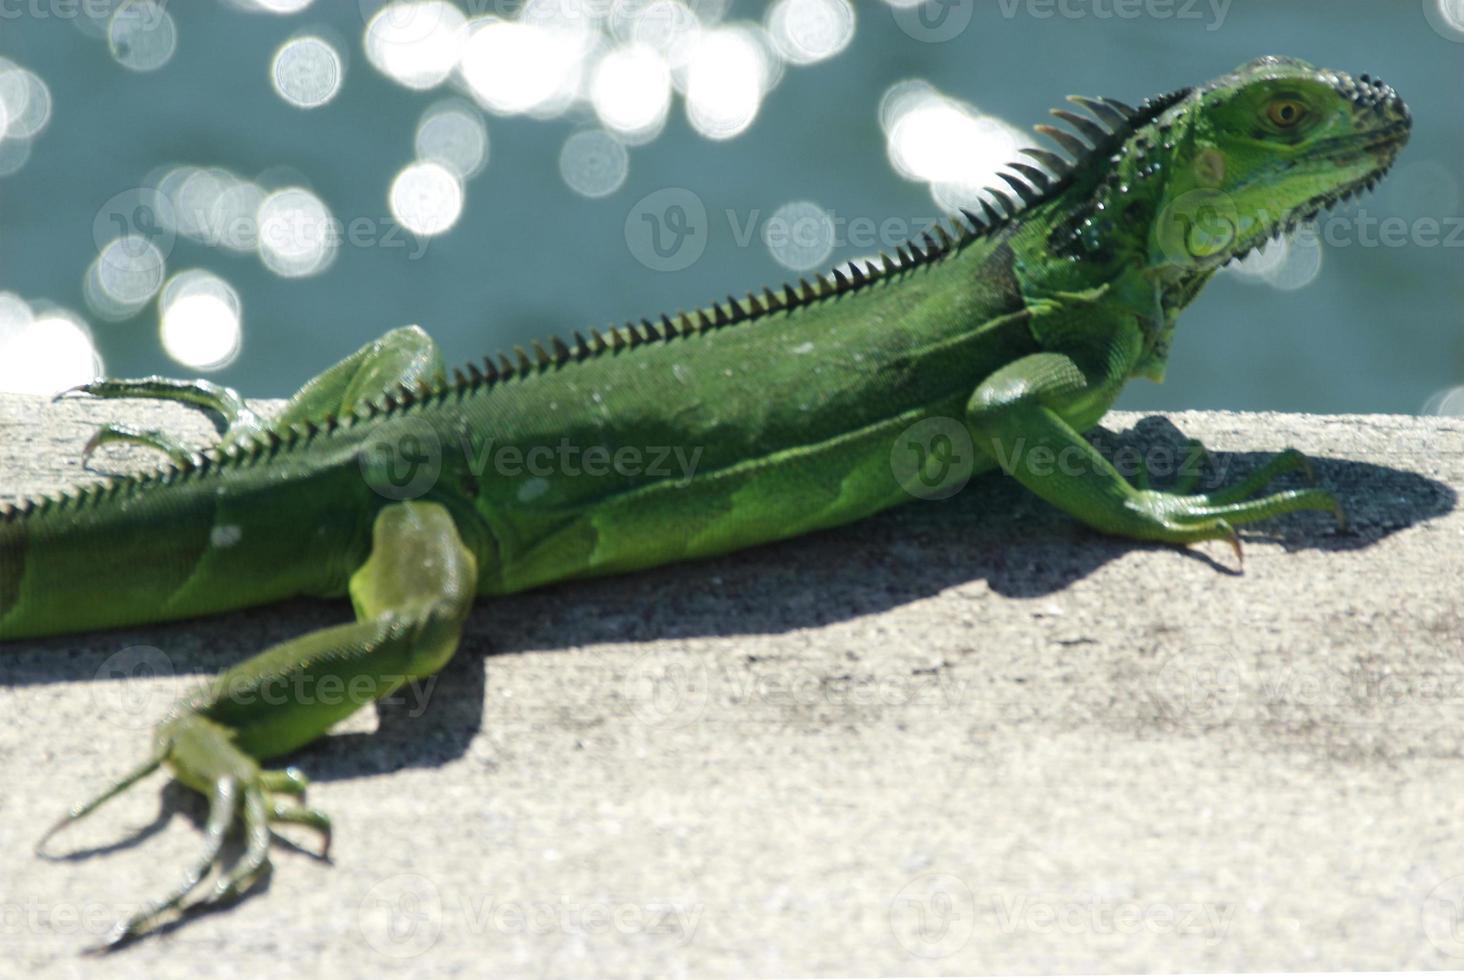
(241, 795)
(1185, 518)
(238, 419)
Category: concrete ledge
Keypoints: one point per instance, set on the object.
(961, 738)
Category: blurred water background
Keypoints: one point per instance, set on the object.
(248, 190)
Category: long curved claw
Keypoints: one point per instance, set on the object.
(148, 438)
(307, 816)
(255, 862)
(204, 395)
(223, 802)
(82, 810)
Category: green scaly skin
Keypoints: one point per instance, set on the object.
(389, 481)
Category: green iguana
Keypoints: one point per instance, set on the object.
(1019, 324)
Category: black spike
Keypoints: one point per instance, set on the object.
(875, 270)
(1101, 111)
(525, 365)
(905, 256)
(738, 312)
(702, 323)
(771, 299)
(1093, 132)
(992, 218)
(976, 223)
(581, 346)
(1054, 163)
(841, 281)
(856, 275)
(1075, 147)
(1123, 108)
(1037, 178)
(754, 305)
(809, 293)
(916, 254)
(1004, 200)
(561, 350)
(1026, 193)
(944, 236)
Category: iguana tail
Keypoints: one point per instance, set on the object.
(168, 546)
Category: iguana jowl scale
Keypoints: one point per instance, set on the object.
(1023, 322)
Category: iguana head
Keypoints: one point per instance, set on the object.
(1255, 152)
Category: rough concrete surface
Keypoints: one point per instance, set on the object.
(963, 737)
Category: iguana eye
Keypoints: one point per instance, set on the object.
(1286, 113)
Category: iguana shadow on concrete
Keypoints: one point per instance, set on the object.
(993, 532)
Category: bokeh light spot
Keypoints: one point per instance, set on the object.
(426, 198)
(142, 35)
(454, 135)
(296, 233)
(808, 31)
(594, 163)
(200, 320)
(306, 72)
(416, 43)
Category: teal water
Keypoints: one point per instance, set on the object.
(863, 144)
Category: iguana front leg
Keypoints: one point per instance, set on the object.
(405, 356)
(1017, 417)
(411, 598)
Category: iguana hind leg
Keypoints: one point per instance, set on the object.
(405, 356)
(411, 597)
(1015, 418)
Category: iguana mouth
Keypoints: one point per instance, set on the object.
(1383, 145)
